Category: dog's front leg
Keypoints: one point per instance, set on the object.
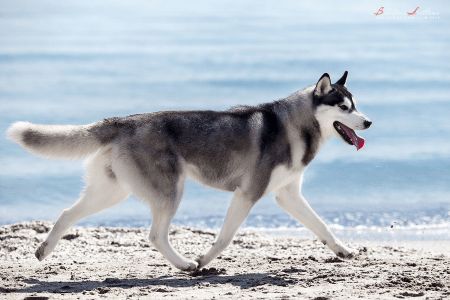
(237, 212)
(290, 200)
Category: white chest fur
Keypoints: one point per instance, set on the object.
(281, 176)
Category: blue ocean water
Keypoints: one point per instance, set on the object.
(76, 62)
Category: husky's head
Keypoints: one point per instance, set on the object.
(336, 112)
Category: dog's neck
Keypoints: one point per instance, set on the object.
(298, 111)
(302, 111)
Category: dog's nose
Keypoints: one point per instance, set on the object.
(367, 123)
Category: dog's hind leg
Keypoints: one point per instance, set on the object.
(289, 199)
(156, 176)
(164, 206)
(237, 212)
(102, 191)
(159, 237)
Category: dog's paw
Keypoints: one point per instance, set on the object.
(348, 254)
(40, 251)
(343, 252)
(189, 266)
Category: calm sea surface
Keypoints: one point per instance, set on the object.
(75, 62)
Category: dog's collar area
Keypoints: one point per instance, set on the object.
(349, 135)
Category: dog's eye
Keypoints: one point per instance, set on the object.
(343, 107)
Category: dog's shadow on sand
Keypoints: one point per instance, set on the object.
(244, 281)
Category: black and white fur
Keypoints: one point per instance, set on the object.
(248, 150)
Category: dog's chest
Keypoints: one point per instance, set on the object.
(283, 174)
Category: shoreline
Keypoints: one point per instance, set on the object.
(114, 262)
(410, 233)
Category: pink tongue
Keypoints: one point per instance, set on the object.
(356, 140)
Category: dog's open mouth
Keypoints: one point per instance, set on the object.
(349, 135)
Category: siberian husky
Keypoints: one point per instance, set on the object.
(247, 150)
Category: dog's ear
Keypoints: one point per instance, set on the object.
(343, 79)
(323, 86)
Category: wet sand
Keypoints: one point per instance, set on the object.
(120, 262)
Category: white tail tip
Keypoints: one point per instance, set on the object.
(16, 130)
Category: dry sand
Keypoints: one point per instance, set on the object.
(120, 263)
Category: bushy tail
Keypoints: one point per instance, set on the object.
(59, 141)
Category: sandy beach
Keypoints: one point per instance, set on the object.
(120, 262)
